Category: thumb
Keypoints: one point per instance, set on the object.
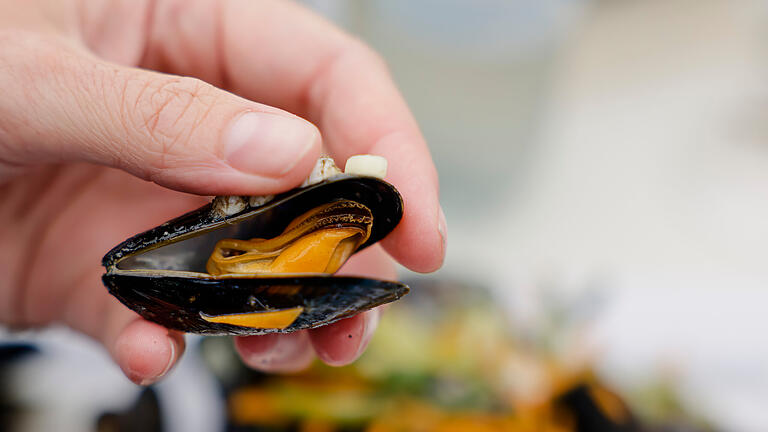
(61, 104)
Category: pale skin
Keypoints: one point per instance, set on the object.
(118, 115)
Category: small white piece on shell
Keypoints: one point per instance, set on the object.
(259, 200)
(325, 168)
(229, 205)
(367, 165)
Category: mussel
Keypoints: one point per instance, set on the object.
(249, 266)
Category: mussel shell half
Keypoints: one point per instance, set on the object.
(177, 302)
(161, 273)
(270, 220)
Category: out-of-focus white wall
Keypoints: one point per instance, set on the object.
(610, 146)
(653, 177)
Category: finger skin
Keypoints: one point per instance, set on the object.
(284, 353)
(341, 343)
(146, 351)
(62, 104)
(336, 344)
(75, 215)
(306, 66)
(372, 262)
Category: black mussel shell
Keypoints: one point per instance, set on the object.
(178, 302)
(161, 273)
(266, 221)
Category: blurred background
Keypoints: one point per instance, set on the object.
(604, 172)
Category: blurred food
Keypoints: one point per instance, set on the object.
(144, 415)
(12, 411)
(443, 360)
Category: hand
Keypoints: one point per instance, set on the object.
(94, 145)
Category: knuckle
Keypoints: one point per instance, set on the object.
(45, 72)
(165, 111)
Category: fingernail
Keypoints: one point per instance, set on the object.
(442, 228)
(371, 323)
(340, 343)
(268, 144)
(174, 348)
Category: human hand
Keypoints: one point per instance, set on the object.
(94, 144)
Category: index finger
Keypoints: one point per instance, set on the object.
(279, 53)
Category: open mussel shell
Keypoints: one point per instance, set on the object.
(161, 273)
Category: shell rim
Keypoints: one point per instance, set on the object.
(123, 250)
